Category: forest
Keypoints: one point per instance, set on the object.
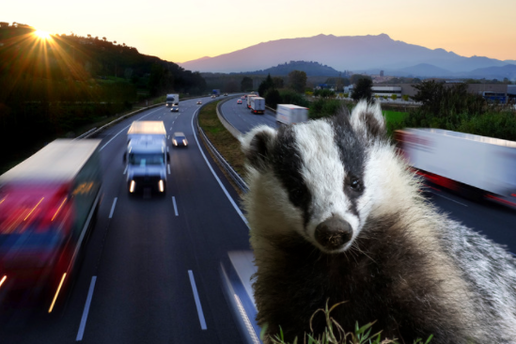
(52, 86)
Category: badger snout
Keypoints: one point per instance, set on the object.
(333, 233)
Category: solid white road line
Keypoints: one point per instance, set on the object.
(197, 300)
(168, 168)
(113, 207)
(449, 199)
(86, 309)
(215, 175)
(175, 205)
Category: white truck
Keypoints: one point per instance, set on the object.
(258, 105)
(473, 165)
(249, 97)
(147, 156)
(172, 99)
(291, 114)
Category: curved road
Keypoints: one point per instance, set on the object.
(242, 118)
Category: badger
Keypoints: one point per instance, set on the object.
(337, 217)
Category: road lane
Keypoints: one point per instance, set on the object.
(140, 254)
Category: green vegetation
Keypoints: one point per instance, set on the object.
(56, 87)
(297, 81)
(335, 334)
(324, 108)
(226, 143)
(451, 107)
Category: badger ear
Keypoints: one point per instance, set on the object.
(368, 121)
(257, 145)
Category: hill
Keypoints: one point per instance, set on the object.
(310, 68)
(352, 53)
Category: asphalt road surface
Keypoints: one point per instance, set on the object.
(151, 269)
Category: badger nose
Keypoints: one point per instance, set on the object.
(333, 233)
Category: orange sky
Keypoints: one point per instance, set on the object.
(187, 30)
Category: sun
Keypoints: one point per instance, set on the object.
(42, 34)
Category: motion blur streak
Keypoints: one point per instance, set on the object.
(57, 293)
(58, 209)
(3, 280)
(41, 200)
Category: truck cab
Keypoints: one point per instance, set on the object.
(146, 156)
(147, 159)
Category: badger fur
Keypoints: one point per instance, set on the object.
(336, 215)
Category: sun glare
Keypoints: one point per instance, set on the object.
(42, 34)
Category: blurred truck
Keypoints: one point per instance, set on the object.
(249, 97)
(48, 207)
(258, 105)
(146, 156)
(291, 114)
(172, 99)
(215, 92)
(475, 166)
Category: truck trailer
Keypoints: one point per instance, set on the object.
(48, 207)
(146, 156)
(473, 165)
(258, 105)
(249, 97)
(291, 114)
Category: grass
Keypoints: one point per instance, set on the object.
(335, 334)
(227, 144)
(394, 116)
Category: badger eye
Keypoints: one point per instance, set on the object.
(355, 184)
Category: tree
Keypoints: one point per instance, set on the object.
(278, 82)
(355, 77)
(363, 90)
(265, 85)
(273, 98)
(246, 84)
(297, 80)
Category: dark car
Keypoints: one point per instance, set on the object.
(179, 139)
(174, 108)
(199, 102)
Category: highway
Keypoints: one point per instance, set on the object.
(151, 270)
(243, 119)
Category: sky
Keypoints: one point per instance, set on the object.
(180, 31)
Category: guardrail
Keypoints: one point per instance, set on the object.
(94, 131)
(235, 177)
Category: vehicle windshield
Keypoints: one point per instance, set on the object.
(146, 159)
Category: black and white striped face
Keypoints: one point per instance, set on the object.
(321, 166)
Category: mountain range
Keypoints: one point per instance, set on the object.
(359, 54)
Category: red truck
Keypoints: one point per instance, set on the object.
(48, 205)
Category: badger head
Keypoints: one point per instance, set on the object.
(312, 177)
